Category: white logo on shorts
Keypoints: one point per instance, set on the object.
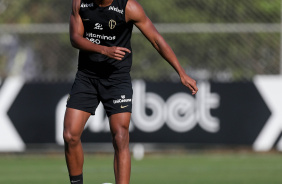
(122, 100)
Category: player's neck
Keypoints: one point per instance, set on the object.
(103, 3)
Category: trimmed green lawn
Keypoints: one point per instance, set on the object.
(225, 168)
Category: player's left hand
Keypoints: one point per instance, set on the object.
(190, 83)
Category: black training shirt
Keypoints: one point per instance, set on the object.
(105, 26)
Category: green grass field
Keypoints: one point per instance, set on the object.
(225, 168)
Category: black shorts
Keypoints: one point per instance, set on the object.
(114, 93)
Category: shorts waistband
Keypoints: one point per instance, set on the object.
(114, 75)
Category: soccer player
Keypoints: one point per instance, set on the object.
(101, 30)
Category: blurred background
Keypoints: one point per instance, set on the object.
(232, 49)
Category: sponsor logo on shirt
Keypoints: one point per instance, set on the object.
(98, 26)
(112, 8)
(96, 38)
(86, 5)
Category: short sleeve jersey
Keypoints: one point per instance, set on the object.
(105, 26)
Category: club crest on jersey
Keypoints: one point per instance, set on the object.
(112, 24)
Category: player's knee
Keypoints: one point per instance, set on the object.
(121, 140)
(70, 139)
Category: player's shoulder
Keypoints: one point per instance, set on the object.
(76, 5)
(76, 2)
(134, 10)
(132, 4)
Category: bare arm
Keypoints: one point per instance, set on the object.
(135, 13)
(76, 30)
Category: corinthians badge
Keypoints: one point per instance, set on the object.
(112, 24)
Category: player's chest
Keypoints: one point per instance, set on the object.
(102, 19)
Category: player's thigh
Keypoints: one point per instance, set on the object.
(75, 121)
(120, 122)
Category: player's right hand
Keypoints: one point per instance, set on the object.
(117, 53)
